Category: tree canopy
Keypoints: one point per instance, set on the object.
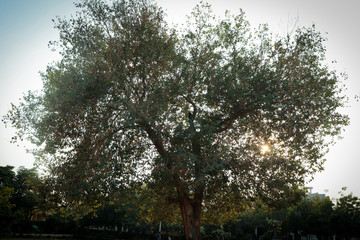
(17, 198)
(187, 111)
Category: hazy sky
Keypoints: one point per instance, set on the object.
(26, 28)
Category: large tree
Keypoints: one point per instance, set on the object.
(210, 116)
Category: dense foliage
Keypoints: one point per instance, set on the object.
(186, 112)
(17, 199)
(121, 219)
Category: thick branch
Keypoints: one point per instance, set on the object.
(156, 140)
(196, 150)
(228, 122)
(159, 145)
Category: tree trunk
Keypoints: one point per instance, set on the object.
(191, 211)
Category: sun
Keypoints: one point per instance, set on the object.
(265, 148)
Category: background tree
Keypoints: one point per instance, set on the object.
(311, 217)
(24, 196)
(18, 198)
(6, 190)
(346, 216)
(186, 111)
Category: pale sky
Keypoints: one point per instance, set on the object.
(26, 28)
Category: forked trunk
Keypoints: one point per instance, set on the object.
(190, 211)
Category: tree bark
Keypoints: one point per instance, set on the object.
(191, 212)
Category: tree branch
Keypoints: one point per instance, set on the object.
(156, 140)
(228, 122)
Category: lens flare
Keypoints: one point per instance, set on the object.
(265, 148)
